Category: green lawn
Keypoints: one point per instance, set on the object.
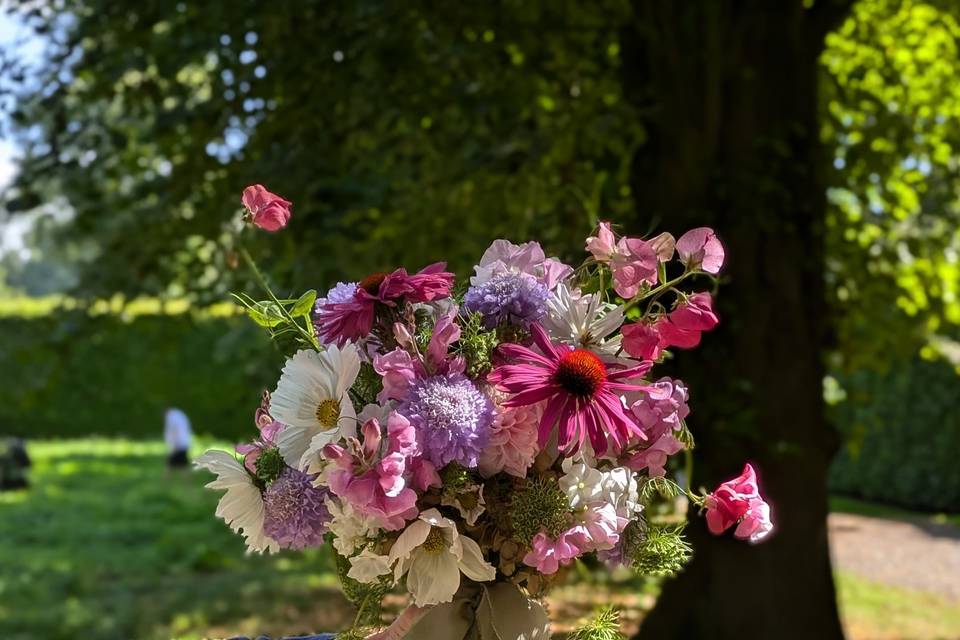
(107, 545)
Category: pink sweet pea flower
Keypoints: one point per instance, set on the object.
(641, 340)
(547, 555)
(602, 245)
(633, 264)
(664, 246)
(700, 249)
(696, 314)
(739, 501)
(267, 210)
(600, 529)
(633, 261)
(378, 483)
(756, 524)
(654, 458)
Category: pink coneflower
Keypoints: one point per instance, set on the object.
(351, 320)
(580, 390)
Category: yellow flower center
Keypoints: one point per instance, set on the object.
(328, 412)
(435, 542)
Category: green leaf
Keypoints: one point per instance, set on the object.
(304, 304)
(266, 314)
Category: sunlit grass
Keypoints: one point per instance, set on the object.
(106, 544)
(880, 612)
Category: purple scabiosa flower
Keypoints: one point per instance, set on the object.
(452, 418)
(295, 511)
(338, 294)
(508, 298)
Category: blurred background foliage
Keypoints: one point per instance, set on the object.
(410, 132)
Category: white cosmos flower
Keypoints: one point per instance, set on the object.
(583, 320)
(432, 553)
(241, 507)
(311, 400)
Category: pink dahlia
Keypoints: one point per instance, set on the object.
(580, 391)
(352, 319)
(513, 441)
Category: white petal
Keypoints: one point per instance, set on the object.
(411, 538)
(304, 384)
(472, 563)
(347, 367)
(368, 566)
(294, 442)
(241, 507)
(433, 578)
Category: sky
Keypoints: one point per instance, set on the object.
(17, 38)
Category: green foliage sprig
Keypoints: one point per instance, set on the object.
(605, 625)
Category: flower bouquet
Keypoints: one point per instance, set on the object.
(468, 444)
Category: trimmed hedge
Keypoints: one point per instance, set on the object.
(903, 429)
(69, 374)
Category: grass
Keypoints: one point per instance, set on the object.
(881, 612)
(106, 544)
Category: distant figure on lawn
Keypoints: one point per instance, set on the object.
(177, 434)
(14, 463)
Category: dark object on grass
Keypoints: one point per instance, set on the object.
(14, 463)
(178, 459)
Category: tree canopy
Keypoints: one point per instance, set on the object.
(406, 132)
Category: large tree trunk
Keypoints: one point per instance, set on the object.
(729, 91)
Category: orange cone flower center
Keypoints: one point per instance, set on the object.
(581, 373)
(371, 284)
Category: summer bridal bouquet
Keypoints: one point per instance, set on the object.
(467, 444)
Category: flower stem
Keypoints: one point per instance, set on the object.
(311, 339)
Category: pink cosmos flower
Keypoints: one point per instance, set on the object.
(633, 261)
(380, 483)
(513, 441)
(503, 256)
(547, 555)
(342, 322)
(580, 390)
(700, 249)
(267, 210)
(739, 500)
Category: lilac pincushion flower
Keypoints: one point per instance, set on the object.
(508, 298)
(452, 418)
(295, 511)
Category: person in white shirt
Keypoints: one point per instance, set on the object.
(177, 434)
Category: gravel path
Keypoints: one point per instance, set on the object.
(914, 554)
